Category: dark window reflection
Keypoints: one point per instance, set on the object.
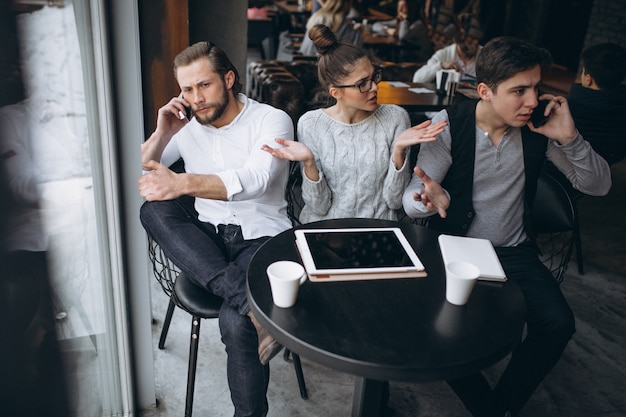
(32, 380)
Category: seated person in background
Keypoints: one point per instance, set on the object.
(334, 14)
(410, 28)
(238, 192)
(337, 14)
(479, 178)
(459, 56)
(317, 4)
(598, 103)
(353, 154)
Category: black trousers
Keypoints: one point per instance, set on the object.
(550, 326)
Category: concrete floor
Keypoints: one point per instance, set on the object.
(589, 380)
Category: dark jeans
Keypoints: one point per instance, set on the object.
(216, 261)
(550, 325)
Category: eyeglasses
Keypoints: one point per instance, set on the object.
(365, 86)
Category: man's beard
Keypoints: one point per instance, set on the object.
(218, 109)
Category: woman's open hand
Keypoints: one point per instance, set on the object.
(291, 150)
(423, 132)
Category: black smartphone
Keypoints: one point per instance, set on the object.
(188, 114)
(538, 117)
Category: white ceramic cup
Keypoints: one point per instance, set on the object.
(460, 280)
(285, 280)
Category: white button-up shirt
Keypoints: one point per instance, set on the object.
(255, 181)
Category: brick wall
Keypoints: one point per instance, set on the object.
(607, 23)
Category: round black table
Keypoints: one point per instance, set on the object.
(390, 329)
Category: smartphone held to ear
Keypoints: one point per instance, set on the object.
(188, 115)
(538, 117)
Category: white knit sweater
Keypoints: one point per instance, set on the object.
(357, 177)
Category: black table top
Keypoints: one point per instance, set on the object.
(392, 329)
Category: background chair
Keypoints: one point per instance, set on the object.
(574, 196)
(201, 305)
(293, 193)
(555, 221)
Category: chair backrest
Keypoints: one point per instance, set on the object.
(553, 217)
(553, 210)
(293, 193)
(284, 91)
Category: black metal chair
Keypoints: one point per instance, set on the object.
(293, 193)
(555, 221)
(201, 305)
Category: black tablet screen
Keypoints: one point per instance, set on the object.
(371, 249)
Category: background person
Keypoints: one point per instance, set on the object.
(316, 5)
(598, 103)
(237, 192)
(29, 352)
(480, 177)
(410, 28)
(353, 154)
(334, 14)
(459, 56)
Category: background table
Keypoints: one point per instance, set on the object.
(394, 329)
(415, 102)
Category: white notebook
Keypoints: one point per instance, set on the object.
(480, 252)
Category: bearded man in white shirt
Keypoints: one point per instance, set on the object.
(237, 192)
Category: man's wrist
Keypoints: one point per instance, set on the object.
(569, 138)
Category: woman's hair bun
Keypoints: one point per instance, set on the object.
(323, 38)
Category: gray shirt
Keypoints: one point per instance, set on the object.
(357, 176)
(499, 179)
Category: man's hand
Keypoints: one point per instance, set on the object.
(450, 65)
(560, 125)
(169, 121)
(171, 117)
(159, 184)
(432, 196)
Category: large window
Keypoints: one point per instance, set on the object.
(60, 154)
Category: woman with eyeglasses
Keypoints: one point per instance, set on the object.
(353, 154)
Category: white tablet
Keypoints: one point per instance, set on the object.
(357, 253)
